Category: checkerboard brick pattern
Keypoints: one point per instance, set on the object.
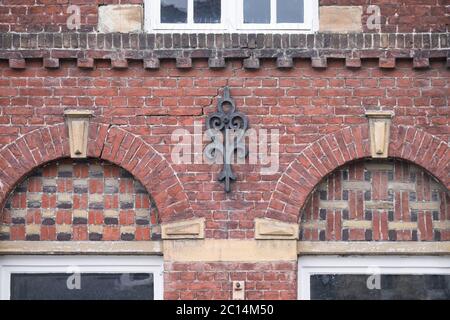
(79, 200)
(377, 201)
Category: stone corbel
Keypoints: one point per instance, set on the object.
(186, 229)
(78, 125)
(269, 229)
(379, 132)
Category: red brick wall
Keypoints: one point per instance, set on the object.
(45, 15)
(320, 114)
(403, 15)
(205, 281)
(303, 103)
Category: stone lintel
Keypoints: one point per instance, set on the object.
(186, 229)
(273, 229)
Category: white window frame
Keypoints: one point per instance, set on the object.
(83, 264)
(153, 18)
(232, 20)
(313, 265)
(311, 8)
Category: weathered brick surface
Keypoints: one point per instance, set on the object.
(377, 201)
(318, 112)
(313, 88)
(80, 201)
(38, 16)
(206, 281)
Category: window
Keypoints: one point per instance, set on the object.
(231, 15)
(184, 15)
(274, 14)
(374, 278)
(81, 278)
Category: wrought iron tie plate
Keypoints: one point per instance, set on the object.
(227, 129)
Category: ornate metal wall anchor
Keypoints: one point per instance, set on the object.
(226, 128)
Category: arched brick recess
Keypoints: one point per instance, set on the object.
(349, 144)
(107, 143)
(377, 200)
(79, 200)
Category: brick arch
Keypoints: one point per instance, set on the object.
(349, 144)
(105, 142)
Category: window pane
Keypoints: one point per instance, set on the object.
(290, 11)
(390, 287)
(207, 11)
(173, 11)
(93, 286)
(256, 11)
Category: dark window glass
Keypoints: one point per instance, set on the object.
(390, 287)
(256, 11)
(93, 286)
(290, 11)
(173, 11)
(207, 11)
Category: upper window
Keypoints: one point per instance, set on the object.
(230, 15)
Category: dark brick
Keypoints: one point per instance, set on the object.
(111, 221)
(32, 237)
(64, 237)
(78, 221)
(48, 221)
(95, 237)
(127, 237)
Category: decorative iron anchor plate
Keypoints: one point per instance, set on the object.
(226, 128)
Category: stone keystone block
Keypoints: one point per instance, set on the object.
(78, 124)
(379, 127)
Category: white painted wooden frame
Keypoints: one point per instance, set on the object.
(152, 19)
(310, 19)
(232, 20)
(82, 264)
(312, 265)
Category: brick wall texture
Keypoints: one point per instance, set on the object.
(134, 107)
(315, 89)
(80, 201)
(206, 281)
(377, 201)
(43, 15)
(303, 103)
